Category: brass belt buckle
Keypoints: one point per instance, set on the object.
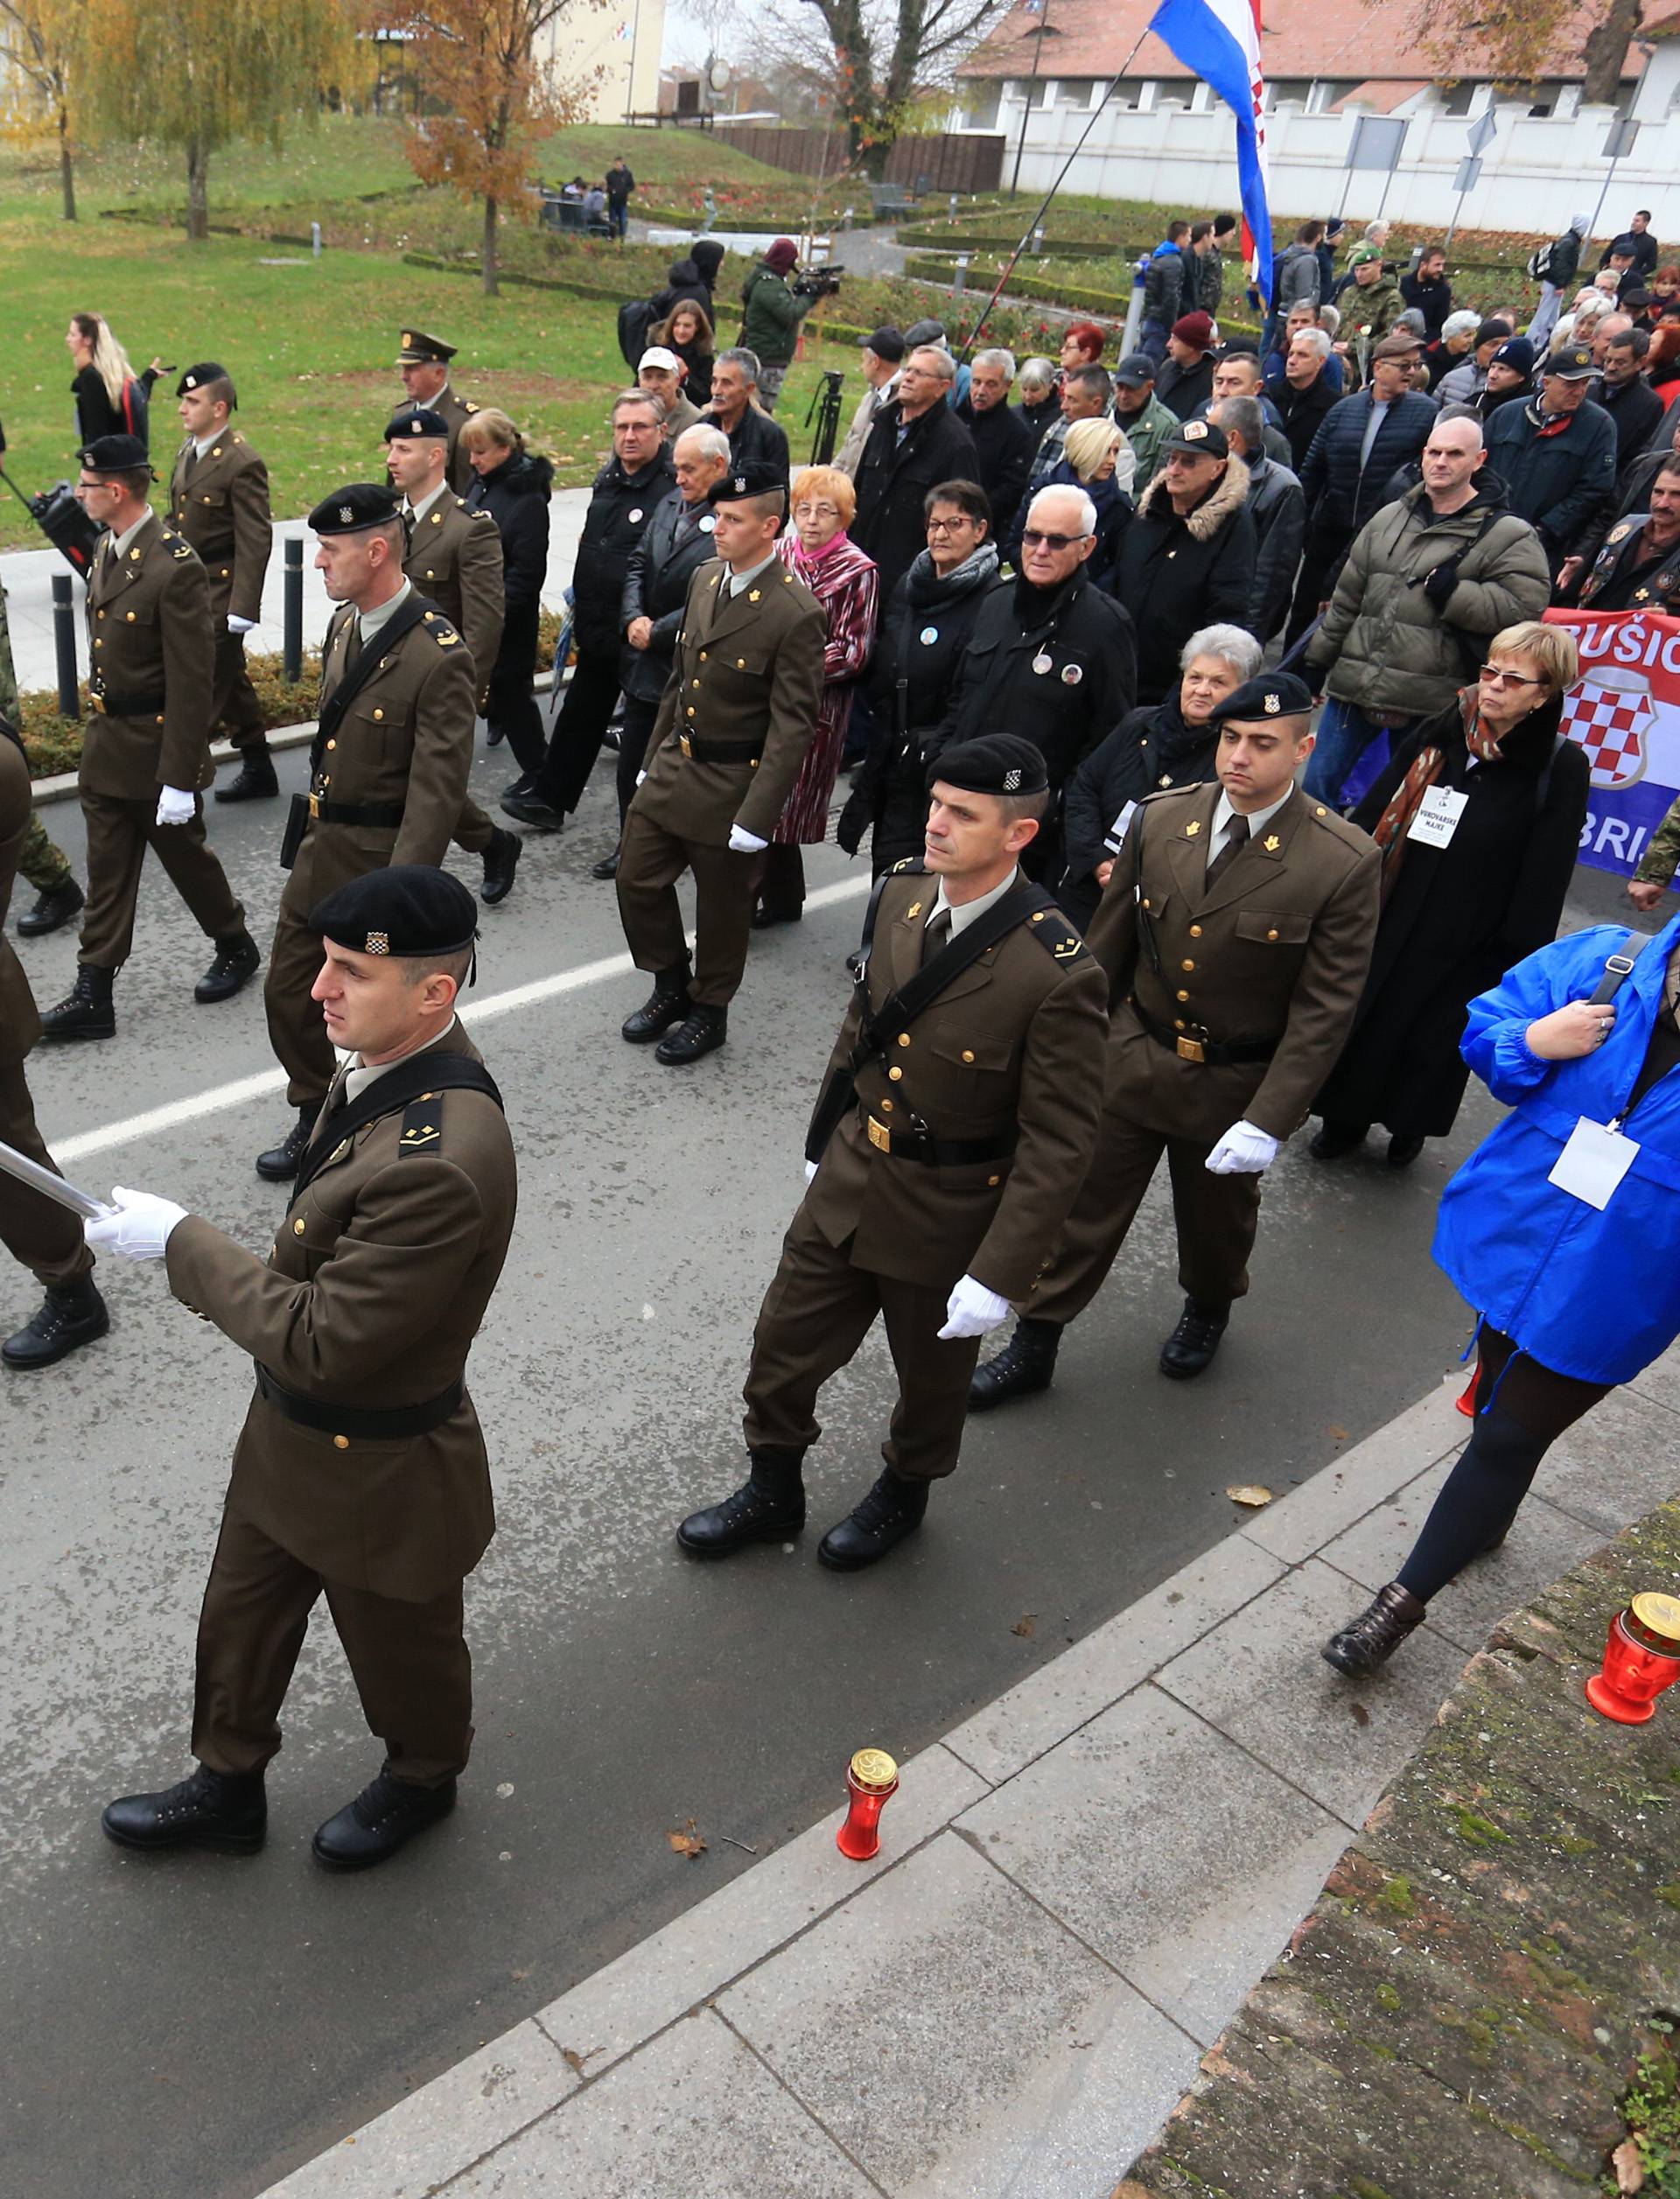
(1190, 1050)
(684, 744)
(314, 805)
(879, 1136)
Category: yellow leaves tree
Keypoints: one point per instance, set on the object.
(493, 94)
(197, 74)
(38, 42)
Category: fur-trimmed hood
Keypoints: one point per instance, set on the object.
(1228, 494)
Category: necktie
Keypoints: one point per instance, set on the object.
(937, 934)
(352, 643)
(1236, 835)
(192, 460)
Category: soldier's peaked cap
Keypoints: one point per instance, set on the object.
(353, 509)
(421, 350)
(749, 477)
(994, 763)
(407, 910)
(116, 454)
(1273, 695)
(418, 422)
(207, 370)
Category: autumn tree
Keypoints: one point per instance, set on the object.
(482, 66)
(196, 75)
(38, 39)
(1522, 41)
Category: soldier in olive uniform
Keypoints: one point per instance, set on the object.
(454, 558)
(423, 363)
(219, 496)
(360, 1471)
(145, 754)
(1236, 929)
(732, 730)
(41, 861)
(957, 1125)
(388, 769)
(46, 1238)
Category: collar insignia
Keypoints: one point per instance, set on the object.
(1271, 844)
(1192, 827)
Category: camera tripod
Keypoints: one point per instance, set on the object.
(824, 409)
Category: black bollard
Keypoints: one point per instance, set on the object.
(292, 645)
(63, 641)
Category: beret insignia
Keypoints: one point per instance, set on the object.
(1012, 781)
(347, 513)
(740, 485)
(1272, 706)
(379, 943)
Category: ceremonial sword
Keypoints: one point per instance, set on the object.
(51, 1184)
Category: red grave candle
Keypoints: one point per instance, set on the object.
(1641, 1658)
(872, 1780)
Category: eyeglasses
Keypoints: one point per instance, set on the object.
(955, 526)
(817, 511)
(1033, 538)
(1509, 679)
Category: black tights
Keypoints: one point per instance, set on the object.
(1482, 1494)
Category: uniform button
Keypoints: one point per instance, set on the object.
(99, 644)
(1271, 934)
(430, 574)
(1318, 813)
(224, 572)
(101, 614)
(378, 716)
(689, 711)
(904, 1037)
(1184, 996)
(131, 617)
(1195, 931)
(994, 1182)
(740, 665)
(1037, 916)
(341, 1443)
(1186, 964)
(967, 1055)
(694, 682)
(1147, 902)
(704, 653)
(331, 744)
(1177, 1023)
(297, 1229)
(886, 1107)
(895, 1074)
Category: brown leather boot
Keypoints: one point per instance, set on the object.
(1371, 1639)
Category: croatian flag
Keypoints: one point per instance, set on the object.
(1220, 41)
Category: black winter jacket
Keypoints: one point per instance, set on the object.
(1182, 389)
(757, 436)
(618, 514)
(1341, 494)
(1005, 446)
(1176, 575)
(656, 587)
(1152, 747)
(892, 478)
(516, 497)
(686, 285)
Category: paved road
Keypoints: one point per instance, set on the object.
(198, 2025)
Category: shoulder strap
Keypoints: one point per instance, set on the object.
(901, 1008)
(911, 865)
(361, 671)
(1619, 967)
(401, 1086)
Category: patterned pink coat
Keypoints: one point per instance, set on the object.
(843, 581)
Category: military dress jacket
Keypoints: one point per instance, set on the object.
(153, 645)
(370, 1297)
(20, 1024)
(748, 677)
(220, 504)
(1012, 1049)
(1275, 953)
(406, 742)
(457, 411)
(454, 557)
(1623, 579)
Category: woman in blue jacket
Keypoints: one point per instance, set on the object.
(1566, 1255)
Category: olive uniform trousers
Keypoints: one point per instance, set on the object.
(45, 1238)
(296, 1030)
(650, 862)
(119, 832)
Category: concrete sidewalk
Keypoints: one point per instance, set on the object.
(1076, 1890)
(27, 576)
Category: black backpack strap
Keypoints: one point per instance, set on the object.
(858, 963)
(362, 670)
(409, 1086)
(1025, 903)
(1618, 968)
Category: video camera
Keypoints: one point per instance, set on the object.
(818, 282)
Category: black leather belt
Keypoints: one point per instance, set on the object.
(125, 705)
(935, 1153)
(720, 751)
(369, 1423)
(368, 813)
(1204, 1049)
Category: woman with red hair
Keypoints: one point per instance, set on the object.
(1081, 344)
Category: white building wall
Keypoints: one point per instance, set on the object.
(625, 41)
(1179, 151)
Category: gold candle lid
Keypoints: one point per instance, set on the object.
(1658, 1613)
(874, 1769)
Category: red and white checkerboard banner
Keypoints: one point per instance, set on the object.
(1624, 712)
(1612, 723)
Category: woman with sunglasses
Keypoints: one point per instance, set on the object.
(1479, 816)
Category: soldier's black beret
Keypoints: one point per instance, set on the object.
(421, 350)
(354, 509)
(748, 477)
(1273, 695)
(407, 909)
(418, 421)
(207, 370)
(116, 454)
(994, 763)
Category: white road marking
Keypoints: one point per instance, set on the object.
(220, 1097)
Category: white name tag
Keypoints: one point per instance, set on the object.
(1437, 817)
(1593, 1163)
(1117, 829)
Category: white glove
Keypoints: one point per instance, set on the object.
(640, 775)
(138, 1227)
(972, 1310)
(810, 1170)
(237, 624)
(1244, 1150)
(174, 806)
(745, 843)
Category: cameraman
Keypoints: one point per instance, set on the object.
(774, 311)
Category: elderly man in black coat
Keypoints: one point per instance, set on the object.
(1004, 441)
(1188, 558)
(917, 442)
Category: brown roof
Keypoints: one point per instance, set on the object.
(1299, 38)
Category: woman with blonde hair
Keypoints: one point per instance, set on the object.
(111, 399)
(1095, 457)
(818, 551)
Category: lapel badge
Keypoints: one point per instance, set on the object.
(1071, 675)
(1271, 844)
(1192, 827)
(914, 909)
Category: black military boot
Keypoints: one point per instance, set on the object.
(53, 908)
(769, 1507)
(702, 1031)
(256, 780)
(607, 867)
(1372, 1639)
(86, 1010)
(236, 960)
(387, 1813)
(71, 1314)
(211, 1809)
(667, 1004)
(500, 861)
(1333, 1139)
(279, 1164)
(1024, 1364)
(893, 1509)
(1189, 1350)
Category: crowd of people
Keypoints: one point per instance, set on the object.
(1127, 903)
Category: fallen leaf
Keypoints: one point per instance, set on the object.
(1251, 1494)
(1362, 1716)
(1630, 2170)
(1024, 1626)
(687, 1843)
(1341, 1435)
